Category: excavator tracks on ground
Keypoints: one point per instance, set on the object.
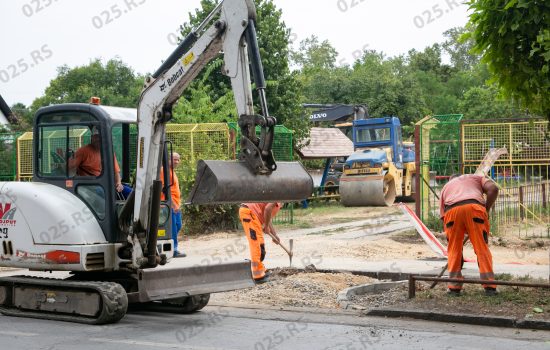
(190, 304)
(63, 300)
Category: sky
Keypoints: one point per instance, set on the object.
(38, 36)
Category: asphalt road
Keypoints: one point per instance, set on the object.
(221, 327)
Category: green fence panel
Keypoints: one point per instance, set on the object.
(282, 143)
(8, 156)
(440, 153)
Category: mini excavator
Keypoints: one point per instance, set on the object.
(115, 251)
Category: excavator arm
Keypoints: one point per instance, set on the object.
(230, 29)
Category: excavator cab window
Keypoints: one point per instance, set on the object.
(69, 151)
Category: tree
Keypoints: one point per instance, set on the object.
(483, 102)
(315, 55)
(459, 48)
(283, 89)
(23, 115)
(114, 82)
(513, 37)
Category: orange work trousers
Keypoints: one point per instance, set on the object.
(468, 219)
(255, 235)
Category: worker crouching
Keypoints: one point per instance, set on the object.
(464, 209)
(256, 219)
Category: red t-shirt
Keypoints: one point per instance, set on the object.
(462, 188)
(259, 208)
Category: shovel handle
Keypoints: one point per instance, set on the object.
(281, 244)
(447, 265)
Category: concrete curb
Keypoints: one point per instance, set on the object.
(493, 321)
(345, 295)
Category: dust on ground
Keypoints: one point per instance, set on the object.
(289, 287)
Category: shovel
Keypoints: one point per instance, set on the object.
(288, 251)
(447, 265)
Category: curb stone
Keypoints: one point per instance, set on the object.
(345, 295)
(494, 321)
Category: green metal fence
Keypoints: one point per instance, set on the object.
(192, 141)
(438, 145)
(282, 144)
(523, 175)
(8, 156)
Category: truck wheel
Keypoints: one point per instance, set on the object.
(188, 305)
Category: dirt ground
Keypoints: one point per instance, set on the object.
(287, 287)
(402, 244)
(528, 303)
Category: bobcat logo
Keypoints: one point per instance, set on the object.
(7, 212)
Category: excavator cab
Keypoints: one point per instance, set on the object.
(73, 144)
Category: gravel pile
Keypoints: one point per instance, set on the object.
(386, 298)
(290, 287)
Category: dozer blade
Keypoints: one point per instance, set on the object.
(219, 182)
(367, 190)
(171, 282)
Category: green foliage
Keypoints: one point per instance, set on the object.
(315, 55)
(283, 88)
(459, 48)
(199, 219)
(200, 107)
(24, 117)
(7, 153)
(514, 38)
(410, 86)
(114, 82)
(205, 219)
(482, 102)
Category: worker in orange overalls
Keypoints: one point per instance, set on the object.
(175, 194)
(256, 219)
(464, 209)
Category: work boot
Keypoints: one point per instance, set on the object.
(179, 255)
(491, 292)
(453, 292)
(263, 279)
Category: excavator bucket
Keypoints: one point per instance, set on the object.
(219, 182)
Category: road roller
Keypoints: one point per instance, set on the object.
(382, 166)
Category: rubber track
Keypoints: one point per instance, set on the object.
(189, 304)
(113, 296)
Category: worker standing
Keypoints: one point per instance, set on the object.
(175, 194)
(257, 219)
(464, 209)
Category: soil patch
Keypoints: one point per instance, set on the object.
(290, 287)
(528, 303)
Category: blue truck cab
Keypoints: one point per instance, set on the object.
(370, 139)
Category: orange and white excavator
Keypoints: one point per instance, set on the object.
(114, 249)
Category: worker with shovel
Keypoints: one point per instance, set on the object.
(257, 219)
(464, 209)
